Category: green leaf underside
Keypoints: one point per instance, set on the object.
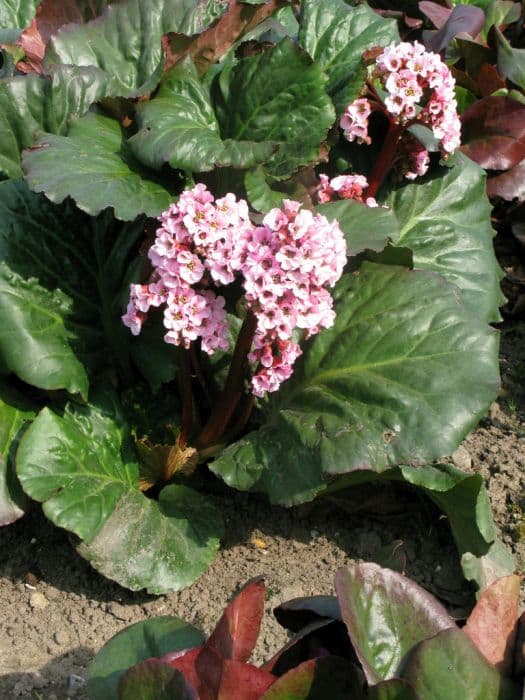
(79, 262)
(82, 468)
(278, 96)
(126, 41)
(402, 376)
(445, 221)
(33, 104)
(143, 640)
(179, 126)
(386, 615)
(17, 13)
(96, 170)
(365, 228)
(33, 319)
(336, 36)
(450, 666)
(15, 413)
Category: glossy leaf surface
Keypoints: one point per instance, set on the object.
(445, 221)
(15, 414)
(179, 126)
(336, 37)
(17, 13)
(380, 388)
(97, 171)
(82, 468)
(386, 615)
(149, 638)
(278, 96)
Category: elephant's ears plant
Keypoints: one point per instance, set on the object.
(302, 317)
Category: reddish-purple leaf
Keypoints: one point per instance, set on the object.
(489, 80)
(329, 678)
(299, 612)
(154, 680)
(493, 132)
(519, 655)
(509, 185)
(437, 14)
(464, 19)
(185, 663)
(387, 615)
(493, 622)
(236, 633)
(225, 679)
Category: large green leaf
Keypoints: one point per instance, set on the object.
(143, 640)
(126, 41)
(31, 104)
(386, 615)
(179, 126)
(365, 228)
(278, 96)
(17, 14)
(83, 469)
(15, 413)
(450, 666)
(34, 342)
(96, 169)
(445, 221)
(79, 262)
(403, 375)
(336, 36)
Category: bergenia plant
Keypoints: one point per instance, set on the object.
(213, 268)
(382, 636)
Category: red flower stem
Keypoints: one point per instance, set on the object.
(385, 160)
(232, 392)
(187, 397)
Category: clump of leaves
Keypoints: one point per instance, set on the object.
(382, 636)
(120, 108)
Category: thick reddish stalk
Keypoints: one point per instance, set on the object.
(386, 159)
(232, 392)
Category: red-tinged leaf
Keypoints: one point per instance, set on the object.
(154, 680)
(226, 679)
(509, 185)
(489, 80)
(437, 14)
(185, 663)
(493, 132)
(210, 45)
(464, 19)
(519, 653)
(318, 679)
(51, 15)
(236, 633)
(493, 622)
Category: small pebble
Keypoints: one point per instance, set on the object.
(61, 637)
(38, 601)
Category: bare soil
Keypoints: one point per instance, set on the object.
(57, 611)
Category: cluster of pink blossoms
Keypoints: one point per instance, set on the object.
(285, 266)
(344, 187)
(420, 90)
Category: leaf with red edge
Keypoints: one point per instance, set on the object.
(464, 19)
(299, 612)
(154, 680)
(386, 615)
(236, 633)
(318, 679)
(51, 15)
(493, 132)
(509, 185)
(493, 622)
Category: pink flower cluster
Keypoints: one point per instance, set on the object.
(285, 265)
(420, 90)
(344, 187)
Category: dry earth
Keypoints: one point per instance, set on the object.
(57, 611)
